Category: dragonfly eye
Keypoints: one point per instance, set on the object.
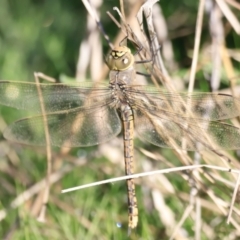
(125, 61)
(120, 59)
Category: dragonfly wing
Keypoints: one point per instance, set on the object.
(80, 127)
(55, 97)
(209, 106)
(178, 132)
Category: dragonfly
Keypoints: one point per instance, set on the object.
(87, 114)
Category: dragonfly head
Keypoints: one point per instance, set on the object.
(120, 59)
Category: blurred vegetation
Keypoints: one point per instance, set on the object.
(44, 36)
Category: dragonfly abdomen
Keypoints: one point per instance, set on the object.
(128, 130)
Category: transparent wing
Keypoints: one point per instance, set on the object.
(56, 97)
(174, 131)
(209, 106)
(79, 127)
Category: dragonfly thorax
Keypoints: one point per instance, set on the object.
(120, 82)
(119, 94)
(120, 59)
